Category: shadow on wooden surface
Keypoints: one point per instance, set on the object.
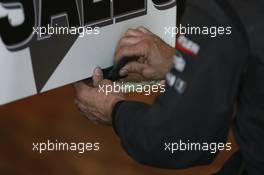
(52, 116)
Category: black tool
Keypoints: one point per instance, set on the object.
(112, 73)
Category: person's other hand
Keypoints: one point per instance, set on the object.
(93, 102)
(154, 55)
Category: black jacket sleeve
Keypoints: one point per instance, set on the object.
(249, 123)
(199, 100)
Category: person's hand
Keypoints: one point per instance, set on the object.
(154, 55)
(94, 103)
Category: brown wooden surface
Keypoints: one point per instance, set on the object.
(53, 116)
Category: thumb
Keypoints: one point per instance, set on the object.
(80, 89)
(133, 67)
(80, 86)
(98, 76)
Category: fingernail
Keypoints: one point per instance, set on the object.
(98, 71)
(123, 72)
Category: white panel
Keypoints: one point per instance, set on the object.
(17, 80)
(92, 51)
(16, 72)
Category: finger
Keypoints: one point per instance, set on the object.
(105, 82)
(133, 32)
(82, 90)
(129, 40)
(98, 76)
(85, 111)
(80, 85)
(133, 67)
(138, 50)
(91, 118)
(80, 105)
(143, 29)
(149, 73)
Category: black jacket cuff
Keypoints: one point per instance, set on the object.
(114, 116)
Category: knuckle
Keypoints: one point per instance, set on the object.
(143, 28)
(145, 44)
(129, 30)
(150, 38)
(123, 41)
(81, 94)
(120, 41)
(118, 52)
(105, 82)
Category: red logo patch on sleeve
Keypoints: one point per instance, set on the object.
(187, 46)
